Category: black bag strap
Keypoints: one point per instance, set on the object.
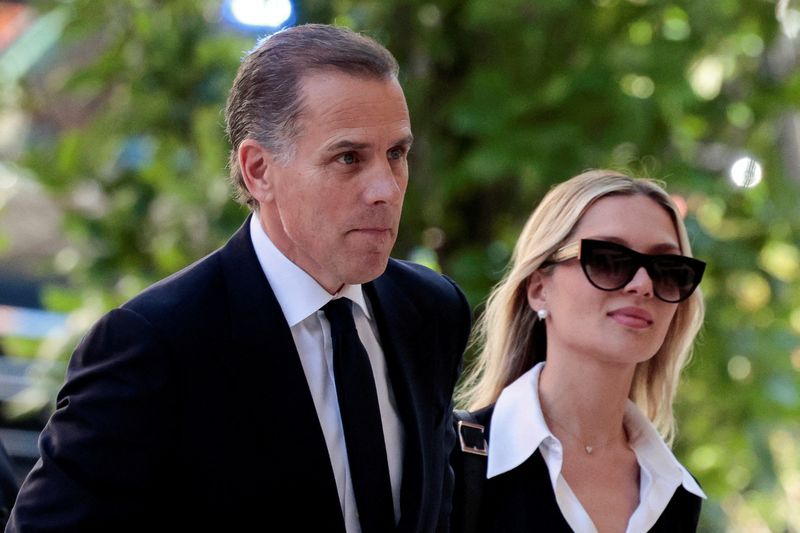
(475, 449)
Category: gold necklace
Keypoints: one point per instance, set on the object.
(589, 448)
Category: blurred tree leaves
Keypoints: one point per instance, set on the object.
(507, 98)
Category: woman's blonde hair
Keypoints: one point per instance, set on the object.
(510, 340)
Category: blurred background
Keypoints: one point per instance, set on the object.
(113, 154)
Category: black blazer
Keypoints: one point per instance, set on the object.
(522, 499)
(187, 408)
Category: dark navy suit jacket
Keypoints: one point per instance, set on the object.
(187, 409)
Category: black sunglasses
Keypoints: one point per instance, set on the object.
(610, 266)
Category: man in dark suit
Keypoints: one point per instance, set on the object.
(209, 402)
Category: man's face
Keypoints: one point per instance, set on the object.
(334, 209)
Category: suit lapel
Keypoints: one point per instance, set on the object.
(399, 324)
(270, 386)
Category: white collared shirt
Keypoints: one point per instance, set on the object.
(518, 429)
(301, 299)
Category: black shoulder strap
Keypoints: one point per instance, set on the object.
(473, 444)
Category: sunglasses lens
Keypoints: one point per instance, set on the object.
(674, 279)
(608, 267)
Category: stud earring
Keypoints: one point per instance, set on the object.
(542, 314)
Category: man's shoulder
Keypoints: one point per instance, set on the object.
(198, 287)
(183, 292)
(414, 274)
(429, 289)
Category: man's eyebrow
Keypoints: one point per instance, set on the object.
(408, 140)
(348, 145)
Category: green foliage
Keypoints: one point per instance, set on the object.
(139, 167)
(507, 98)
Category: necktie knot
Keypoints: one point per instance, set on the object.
(340, 315)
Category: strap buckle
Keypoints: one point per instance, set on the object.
(471, 438)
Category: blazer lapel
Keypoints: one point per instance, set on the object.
(399, 324)
(270, 386)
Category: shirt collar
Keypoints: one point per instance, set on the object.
(518, 426)
(653, 454)
(518, 429)
(298, 294)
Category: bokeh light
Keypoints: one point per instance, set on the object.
(259, 14)
(637, 86)
(789, 18)
(746, 172)
(739, 367)
(750, 290)
(706, 76)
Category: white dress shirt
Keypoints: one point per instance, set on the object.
(301, 299)
(518, 429)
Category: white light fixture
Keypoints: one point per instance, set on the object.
(746, 172)
(258, 14)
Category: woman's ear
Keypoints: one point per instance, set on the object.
(537, 297)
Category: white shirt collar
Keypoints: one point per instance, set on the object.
(518, 426)
(298, 294)
(518, 429)
(653, 453)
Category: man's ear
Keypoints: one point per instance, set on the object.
(254, 164)
(537, 297)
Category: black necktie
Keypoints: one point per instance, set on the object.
(361, 418)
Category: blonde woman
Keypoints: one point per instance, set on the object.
(581, 347)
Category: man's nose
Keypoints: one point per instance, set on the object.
(385, 183)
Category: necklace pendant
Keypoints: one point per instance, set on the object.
(588, 449)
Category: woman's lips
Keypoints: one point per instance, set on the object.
(633, 317)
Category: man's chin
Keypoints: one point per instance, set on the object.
(368, 270)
